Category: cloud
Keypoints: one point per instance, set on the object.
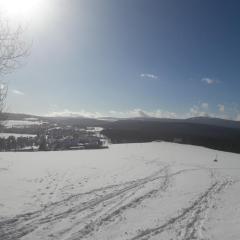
(137, 112)
(134, 113)
(221, 108)
(69, 113)
(205, 106)
(195, 111)
(142, 114)
(238, 117)
(17, 92)
(201, 110)
(210, 81)
(148, 75)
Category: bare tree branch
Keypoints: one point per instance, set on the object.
(13, 50)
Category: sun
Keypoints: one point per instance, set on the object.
(21, 9)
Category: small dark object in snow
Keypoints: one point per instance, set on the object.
(215, 160)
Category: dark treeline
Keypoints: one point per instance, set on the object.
(13, 144)
(220, 138)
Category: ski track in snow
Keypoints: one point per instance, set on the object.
(87, 204)
(188, 224)
(90, 211)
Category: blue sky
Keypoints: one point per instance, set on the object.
(165, 58)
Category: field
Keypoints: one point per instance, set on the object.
(139, 191)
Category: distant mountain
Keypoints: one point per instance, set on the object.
(73, 121)
(16, 116)
(210, 132)
(106, 121)
(195, 120)
(182, 131)
(215, 122)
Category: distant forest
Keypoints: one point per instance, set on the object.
(215, 137)
(215, 133)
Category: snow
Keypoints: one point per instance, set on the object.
(139, 191)
(31, 119)
(20, 123)
(16, 135)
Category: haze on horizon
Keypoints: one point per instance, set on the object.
(127, 58)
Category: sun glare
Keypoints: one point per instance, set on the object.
(24, 9)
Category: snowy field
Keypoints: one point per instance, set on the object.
(16, 135)
(127, 192)
(21, 123)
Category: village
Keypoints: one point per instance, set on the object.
(54, 138)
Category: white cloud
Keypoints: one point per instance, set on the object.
(203, 110)
(196, 111)
(238, 117)
(148, 75)
(205, 106)
(68, 113)
(134, 113)
(142, 113)
(137, 112)
(200, 110)
(210, 81)
(221, 108)
(17, 92)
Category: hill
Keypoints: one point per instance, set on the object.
(130, 191)
(214, 133)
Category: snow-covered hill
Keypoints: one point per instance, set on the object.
(127, 192)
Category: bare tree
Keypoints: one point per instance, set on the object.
(12, 51)
(3, 95)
